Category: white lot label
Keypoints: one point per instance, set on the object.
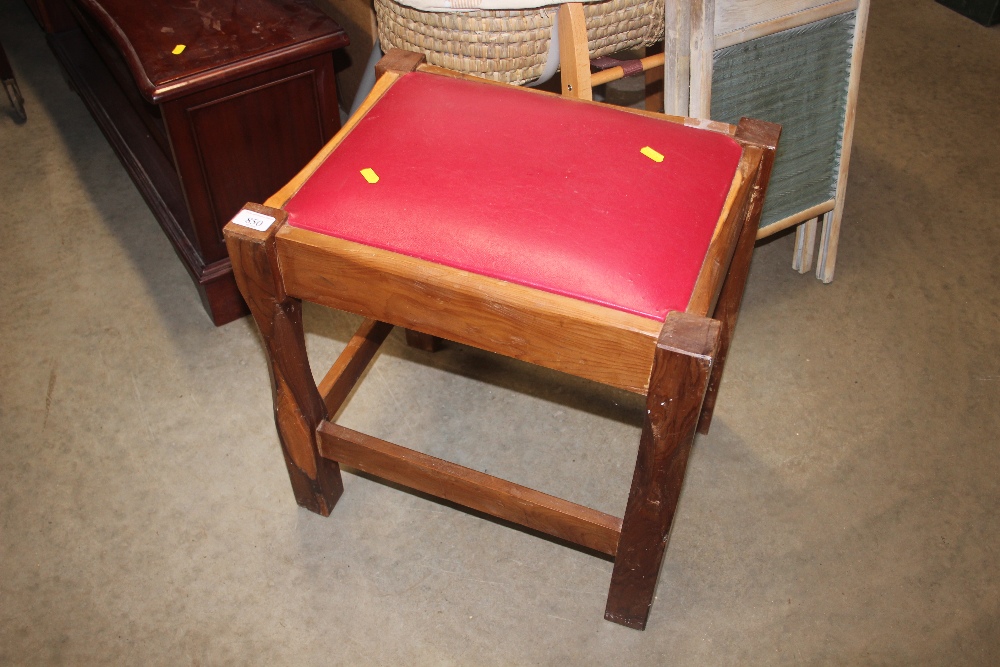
(257, 221)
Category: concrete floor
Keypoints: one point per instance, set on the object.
(842, 511)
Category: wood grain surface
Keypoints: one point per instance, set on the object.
(677, 61)
(398, 61)
(575, 337)
(615, 73)
(767, 23)
(684, 355)
(574, 52)
(338, 382)
(796, 219)
(479, 491)
(223, 39)
(830, 239)
(298, 408)
(702, 14)
(723, 245)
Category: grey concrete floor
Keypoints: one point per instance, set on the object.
(842, 511)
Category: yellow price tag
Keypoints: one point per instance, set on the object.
(651, 154)
(369, 175)
(179, 49)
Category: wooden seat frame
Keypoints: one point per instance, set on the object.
(676, 364)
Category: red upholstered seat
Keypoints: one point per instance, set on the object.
(532, 189)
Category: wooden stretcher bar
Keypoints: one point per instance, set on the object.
(485, 493)
(338, 382)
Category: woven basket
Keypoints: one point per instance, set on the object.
(512, 45)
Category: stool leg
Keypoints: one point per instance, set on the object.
(805, 244)
(677, 385)
(422, 341)
(298, 408)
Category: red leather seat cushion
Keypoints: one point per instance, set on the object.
(528, 188)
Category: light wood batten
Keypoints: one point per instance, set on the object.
(739, 20)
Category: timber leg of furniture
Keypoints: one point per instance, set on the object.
(677, 386)
(805, 245)
(574, 57)
(298, 407)
(422, 341)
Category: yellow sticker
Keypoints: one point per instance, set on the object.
(369, 175)
(651, 154)
(178, 49)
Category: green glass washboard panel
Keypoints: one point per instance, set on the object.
(797, 78)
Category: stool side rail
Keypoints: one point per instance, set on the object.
(723, 244)
(558, 332)
(761, 137)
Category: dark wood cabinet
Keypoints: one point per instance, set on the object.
(207, 105)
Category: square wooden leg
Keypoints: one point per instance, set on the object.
(298, 407)
(805, 244)
(677, 385)
(422, 341)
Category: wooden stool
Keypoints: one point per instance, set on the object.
(573, 235)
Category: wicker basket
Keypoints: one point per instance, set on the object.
(513, 45)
